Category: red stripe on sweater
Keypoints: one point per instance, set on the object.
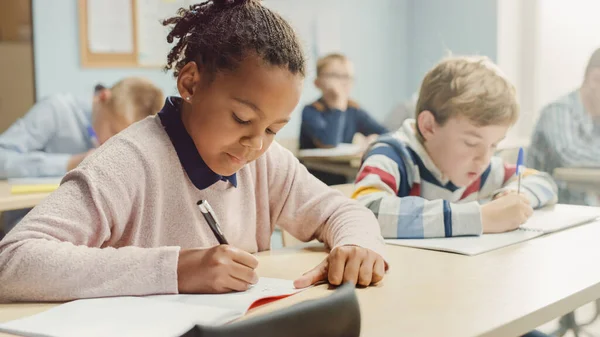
(509, 171)
(386, 177)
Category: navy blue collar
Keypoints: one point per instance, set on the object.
(199, 173)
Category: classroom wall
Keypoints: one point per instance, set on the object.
(392, 43)
(375, 42)
(541, 41)
(568, 35)
(56, 54)
(517, 42)
(438, 26)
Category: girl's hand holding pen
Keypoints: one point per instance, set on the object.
(218, 269)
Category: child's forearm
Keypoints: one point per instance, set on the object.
(38, 269)
(415, 217)
(32, 164)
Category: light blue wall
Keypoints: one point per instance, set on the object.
(56, 54)
(439, 26)
(375, 42)
(375, 39)
(374, 36)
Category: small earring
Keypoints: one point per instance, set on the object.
(188, 98)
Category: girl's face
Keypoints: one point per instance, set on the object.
(234, 118)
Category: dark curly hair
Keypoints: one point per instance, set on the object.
(218, 34)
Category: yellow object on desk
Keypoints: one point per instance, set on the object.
(26, 189)
(34, 185)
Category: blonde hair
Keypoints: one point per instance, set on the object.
(134, 98)
(473, 87)
(327, 59)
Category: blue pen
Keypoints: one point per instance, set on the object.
(93, 136)
(519, 169)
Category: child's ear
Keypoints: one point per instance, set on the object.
(187, 80)
(426, 124)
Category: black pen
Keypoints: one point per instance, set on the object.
(210, 217)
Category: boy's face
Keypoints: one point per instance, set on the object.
(459, 148)
(337, 75)
(234, 118)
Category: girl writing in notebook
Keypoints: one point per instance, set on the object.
(125, 222)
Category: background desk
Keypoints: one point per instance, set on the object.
(10, 201)
(346, 166)
(503, 293)
(582, 179)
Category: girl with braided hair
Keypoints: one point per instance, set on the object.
(125, 222)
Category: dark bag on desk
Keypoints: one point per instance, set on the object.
(337, 315)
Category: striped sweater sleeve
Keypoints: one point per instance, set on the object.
(383, 185)
(539, 187)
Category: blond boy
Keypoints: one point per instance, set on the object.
(428, 178)
(334, 118)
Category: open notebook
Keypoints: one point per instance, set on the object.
(543, 221)
(149, 316)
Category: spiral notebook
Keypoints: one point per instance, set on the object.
(547, 220)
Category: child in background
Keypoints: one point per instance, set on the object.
(61, 130)
(567, 134)
(427, 179)
(334, 118)
(125, 222)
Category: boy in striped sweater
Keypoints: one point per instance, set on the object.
(432, 176)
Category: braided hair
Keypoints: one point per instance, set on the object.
(219, 34)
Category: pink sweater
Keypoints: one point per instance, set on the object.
(116, 224)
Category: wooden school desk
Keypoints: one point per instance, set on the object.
(347, 165)
(10, 201)
(502, 293)
(582, 179)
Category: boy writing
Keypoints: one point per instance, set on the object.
(426, 180)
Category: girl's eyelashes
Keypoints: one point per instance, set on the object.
(243, 122)
(239, 120)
